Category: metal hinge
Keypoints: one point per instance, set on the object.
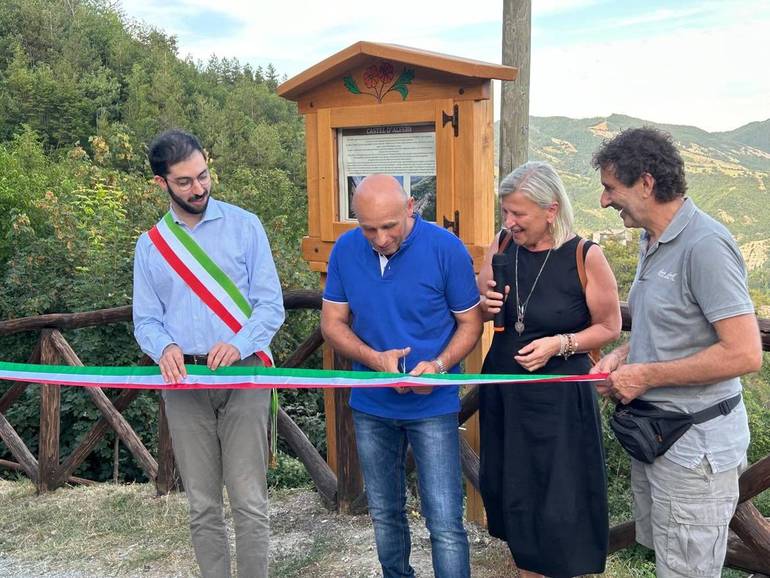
(454, 226)
(454, 119)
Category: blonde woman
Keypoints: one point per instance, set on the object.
(542, 464)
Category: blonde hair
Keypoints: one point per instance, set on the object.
(541, 184)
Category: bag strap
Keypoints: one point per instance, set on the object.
(581, 263)
(722, 408)
(504, 240)
(580, 258)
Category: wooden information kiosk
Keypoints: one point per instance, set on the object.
(423, 117)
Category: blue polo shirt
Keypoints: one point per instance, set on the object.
(409, 304)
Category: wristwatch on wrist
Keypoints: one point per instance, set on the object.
(440, 367)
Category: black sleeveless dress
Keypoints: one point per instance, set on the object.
(543, 478)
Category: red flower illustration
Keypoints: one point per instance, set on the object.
(372, 76)
(378, 78)
(387, 72)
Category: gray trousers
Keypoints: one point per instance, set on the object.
(219, 438)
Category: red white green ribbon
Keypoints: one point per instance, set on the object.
(252, 377)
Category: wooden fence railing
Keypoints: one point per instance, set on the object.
(749, 543)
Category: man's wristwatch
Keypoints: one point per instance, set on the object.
(440, 367)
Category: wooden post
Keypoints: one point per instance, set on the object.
(118, 423)
(17, 448)
(167, 479)
(50, 420)
(514, 95)
(350, 481)
(88, 442)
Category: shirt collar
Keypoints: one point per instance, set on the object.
(213, 211)
(679, 222)
(406, 243)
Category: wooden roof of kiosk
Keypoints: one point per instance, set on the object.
(362, 51)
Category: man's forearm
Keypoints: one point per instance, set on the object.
(342, 339)
(711, 365)
(462, 342)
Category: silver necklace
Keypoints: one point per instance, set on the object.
(522, 307)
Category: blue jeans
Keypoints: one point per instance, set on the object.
(435, 441)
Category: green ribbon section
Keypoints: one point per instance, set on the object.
(148, 370)
(209, 265)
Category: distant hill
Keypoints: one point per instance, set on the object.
(754, 134)
(728, 173)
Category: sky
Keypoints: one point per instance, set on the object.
(702, 63)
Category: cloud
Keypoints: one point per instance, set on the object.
(698, 63)
(707, 77)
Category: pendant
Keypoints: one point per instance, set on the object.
(519, 327)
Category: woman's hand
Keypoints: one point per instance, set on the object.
(537, 353)
(492, 301)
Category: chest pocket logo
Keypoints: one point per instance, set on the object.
(667, 276)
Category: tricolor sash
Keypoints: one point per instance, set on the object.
(217, 291)
(204, 277)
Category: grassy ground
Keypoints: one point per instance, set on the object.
(108, 530)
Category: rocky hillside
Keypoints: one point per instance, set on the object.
(728, 173)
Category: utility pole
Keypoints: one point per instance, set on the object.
(514, 106)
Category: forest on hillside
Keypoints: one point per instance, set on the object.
(82, 91)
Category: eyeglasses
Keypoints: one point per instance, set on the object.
(184, 184)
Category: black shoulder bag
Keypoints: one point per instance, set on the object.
(646, 432)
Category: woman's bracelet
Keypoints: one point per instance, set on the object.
(568, 344)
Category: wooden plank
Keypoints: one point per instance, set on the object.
(50, 420)
(168, 478)
(292, 300)
(382, 114)
(755, 479)
(622, 536)
(753, 530)
(311, 163)
(425, 89)
(740, 556)
(117, 422)
(89, 441)
(350, 481)
(322, 475)
(18, 388)
(66, 320)
(327, 172)
(18, 450)
(514, 113)
(70, 480)
(445, 142)
(474, 200)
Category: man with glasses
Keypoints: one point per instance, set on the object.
(206, 292)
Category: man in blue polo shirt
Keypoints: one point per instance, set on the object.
(401, 296)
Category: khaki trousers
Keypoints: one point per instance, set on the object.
(683, 515)
(219, 438)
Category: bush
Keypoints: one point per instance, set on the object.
(288, 472)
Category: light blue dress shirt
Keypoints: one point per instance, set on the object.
(166, 310)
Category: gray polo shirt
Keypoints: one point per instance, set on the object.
(693, 276)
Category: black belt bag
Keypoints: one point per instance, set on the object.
(645, 431)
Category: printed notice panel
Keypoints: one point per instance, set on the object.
(408, 152)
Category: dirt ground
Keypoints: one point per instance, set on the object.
(127, 531)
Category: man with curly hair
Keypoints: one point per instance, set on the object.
(694, 334)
